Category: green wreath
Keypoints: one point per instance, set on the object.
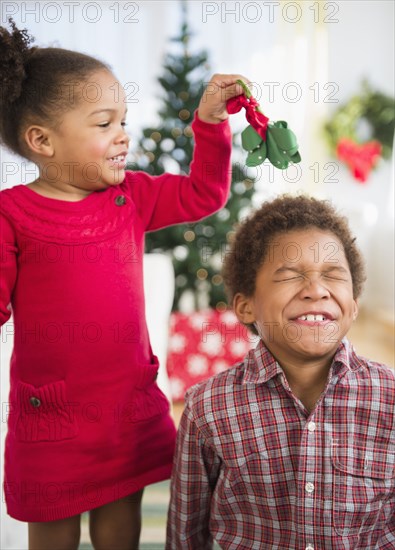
(378, 110)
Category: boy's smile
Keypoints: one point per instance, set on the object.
(303, 302)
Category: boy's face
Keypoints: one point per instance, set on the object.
(303, 303)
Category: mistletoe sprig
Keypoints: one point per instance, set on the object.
(263, 139)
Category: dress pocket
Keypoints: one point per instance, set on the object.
(43, 413)
(147, 400)
(364, 478)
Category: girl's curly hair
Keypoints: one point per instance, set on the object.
(38, 84)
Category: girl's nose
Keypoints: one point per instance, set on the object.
(123, 137)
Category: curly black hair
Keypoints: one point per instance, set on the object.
(38, 84)
(251, 243)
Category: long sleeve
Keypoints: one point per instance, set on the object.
(8, 269)
(387, 538)
(195, 471)
(170, 199)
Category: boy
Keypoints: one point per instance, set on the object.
(295, 447)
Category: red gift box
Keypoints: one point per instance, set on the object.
(203, 344)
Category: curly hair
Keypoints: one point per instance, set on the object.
(254, 236)
(38, 84)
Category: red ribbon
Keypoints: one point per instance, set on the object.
(360, 158)
(257, 119)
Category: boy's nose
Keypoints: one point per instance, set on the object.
(314, 288)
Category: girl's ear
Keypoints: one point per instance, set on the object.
(243, 308)
(38, 140)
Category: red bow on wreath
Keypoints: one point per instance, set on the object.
(360, 158)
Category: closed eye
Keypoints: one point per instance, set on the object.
(107, 124)
(334, 277)
(294, 278)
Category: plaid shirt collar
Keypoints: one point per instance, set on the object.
(260, 365)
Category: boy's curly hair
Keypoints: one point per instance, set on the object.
(250, 245)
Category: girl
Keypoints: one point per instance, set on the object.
(88, 427)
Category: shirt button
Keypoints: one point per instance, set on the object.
(309, 487)
(120, 200)
(309, 547)
(311, 426)
(35, 401)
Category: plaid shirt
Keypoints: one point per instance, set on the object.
(253, 469)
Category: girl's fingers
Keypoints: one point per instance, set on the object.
(224, 80)
(231, 91)
(226, 85)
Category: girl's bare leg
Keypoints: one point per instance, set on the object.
(63, 534)
(117, 525)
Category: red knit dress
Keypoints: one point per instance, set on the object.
(87, 422)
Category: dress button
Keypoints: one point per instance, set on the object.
(309, 547)
(309, 487)
(35, 402)
(120, 200)
(311, 426)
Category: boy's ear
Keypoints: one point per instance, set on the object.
(243, 308)
(38, 140)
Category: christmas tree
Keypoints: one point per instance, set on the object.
(196, 249)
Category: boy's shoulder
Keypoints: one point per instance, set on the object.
(214, 393)
(377, 382)
(370, 369)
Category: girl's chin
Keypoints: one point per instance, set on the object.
(115, 179)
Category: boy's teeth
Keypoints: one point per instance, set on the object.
(312, 317)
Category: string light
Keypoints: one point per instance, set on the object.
(176, 132)
(156, 136)
(202, 274)
(184, 114)
(189, 236)
(217, 280)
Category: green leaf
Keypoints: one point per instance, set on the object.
(284, 137)
(258, 156)
(282, 147)
(250, 139)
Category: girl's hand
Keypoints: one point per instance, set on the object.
(212, 106)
